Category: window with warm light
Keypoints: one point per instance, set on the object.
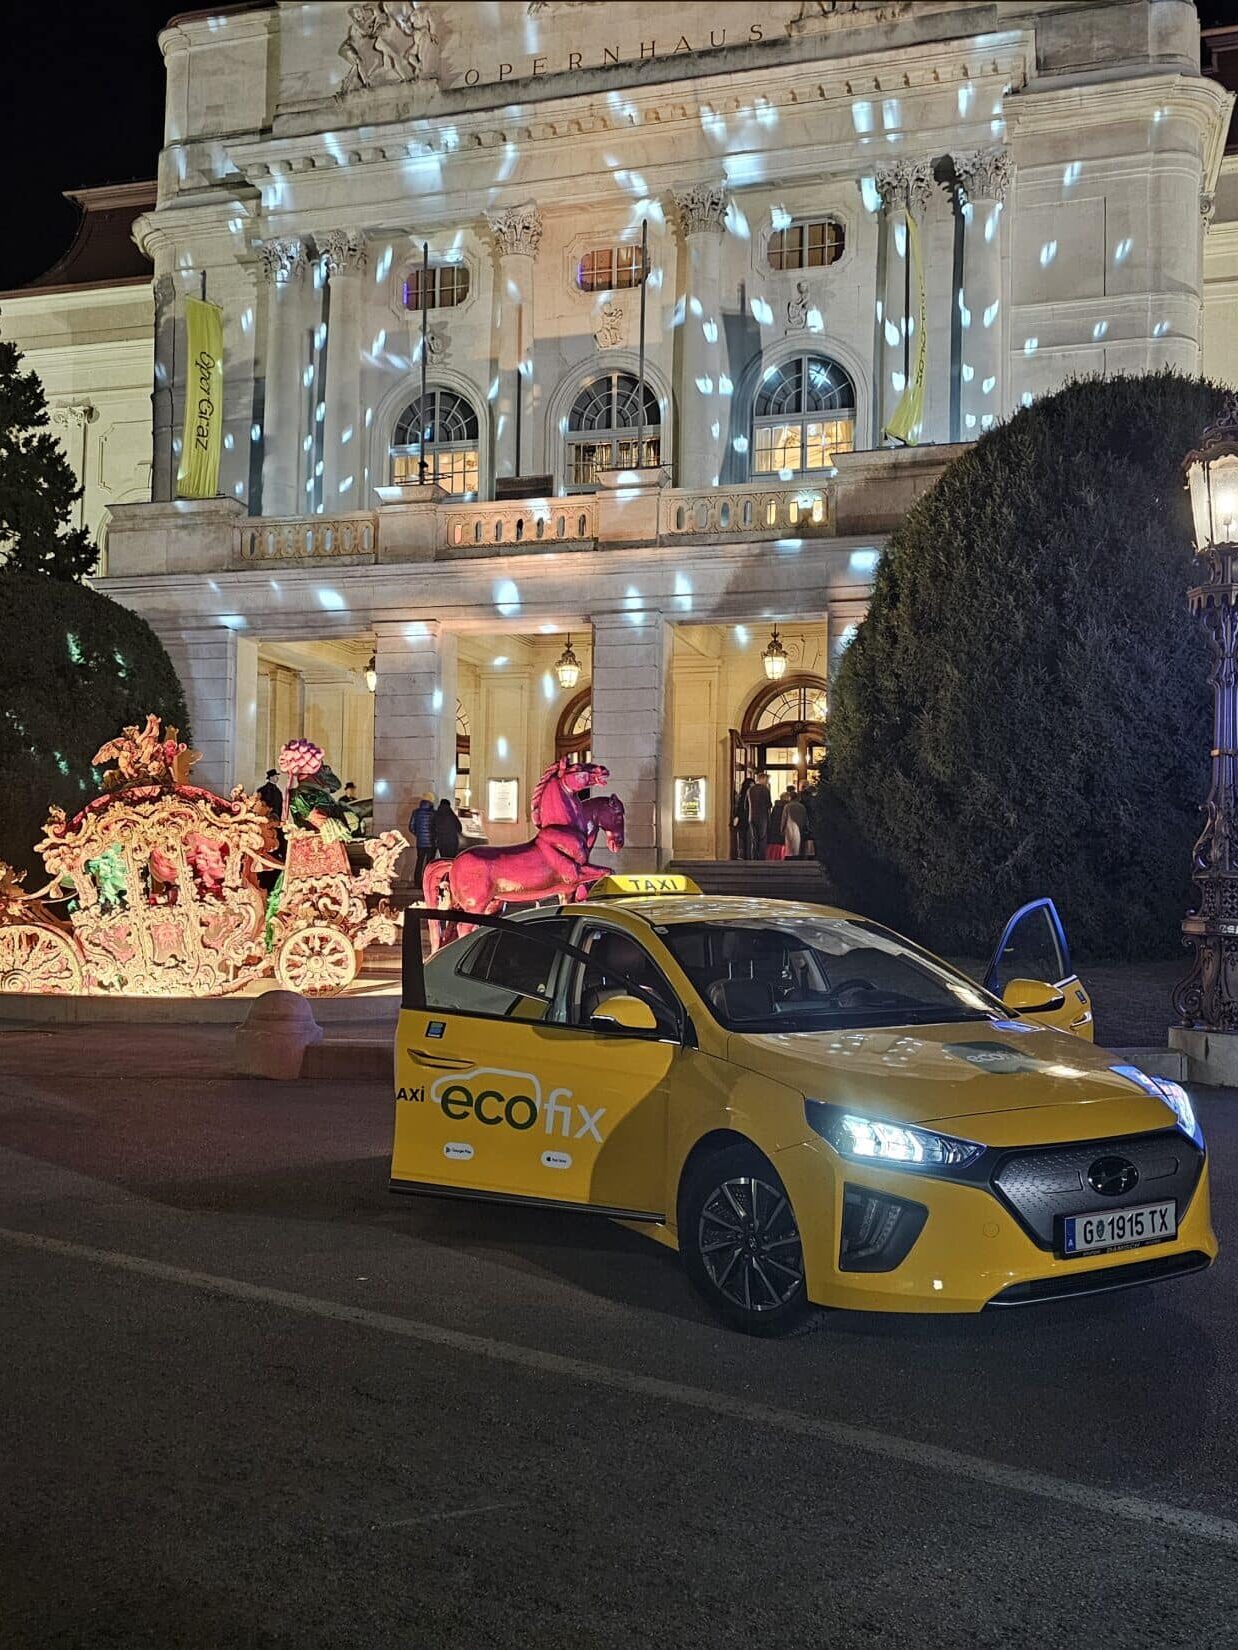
(609, 268)
(804, 413)
(806, 245)
(604, 429)
(449, 430)
(446, 286)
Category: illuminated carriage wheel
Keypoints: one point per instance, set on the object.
(316, 961)
(38, 960)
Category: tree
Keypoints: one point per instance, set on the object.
(37, 489)
(75, 669)
(1025, 709)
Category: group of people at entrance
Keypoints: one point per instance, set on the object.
(436, 832)
(765, 829)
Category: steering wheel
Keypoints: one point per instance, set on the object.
(855, 983)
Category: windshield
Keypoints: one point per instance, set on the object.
(819, 974)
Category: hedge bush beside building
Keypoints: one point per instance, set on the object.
(74, 669)
(1025, 709)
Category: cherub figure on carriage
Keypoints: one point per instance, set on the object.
(154, 889)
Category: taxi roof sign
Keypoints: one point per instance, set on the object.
(624, 884)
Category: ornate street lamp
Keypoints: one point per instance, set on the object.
(371, 673)
(1208, 997)
(774, 658)
(567, 667)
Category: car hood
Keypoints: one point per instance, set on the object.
(923, 1074)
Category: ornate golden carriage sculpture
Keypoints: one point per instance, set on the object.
(161, 882)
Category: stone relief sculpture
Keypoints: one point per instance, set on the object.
(797, 308)
(609, 330)
(387, 44)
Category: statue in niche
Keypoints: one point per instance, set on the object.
(387, 44)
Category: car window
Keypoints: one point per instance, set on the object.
(1030, 951)
(619, 965)
(817, 974)
(507, 971)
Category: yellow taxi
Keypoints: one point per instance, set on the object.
(814, 1111)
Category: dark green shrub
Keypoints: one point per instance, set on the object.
(74, 669)
(1025, 709)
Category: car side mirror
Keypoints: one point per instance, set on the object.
(1032, 997)
(624, 1013)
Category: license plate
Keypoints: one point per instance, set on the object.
(1119, 1228)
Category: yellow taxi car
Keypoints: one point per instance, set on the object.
(814, 1111)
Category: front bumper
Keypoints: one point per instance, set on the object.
(973, 1250)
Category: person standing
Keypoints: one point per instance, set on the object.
(777, 848)
(447, 831)
(795, 825)
(270, 794)
(739, 820)
(760, 806)
(421, 829)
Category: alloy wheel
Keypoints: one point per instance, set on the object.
(750, 1244)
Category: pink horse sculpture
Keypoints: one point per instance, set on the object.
(554, 862)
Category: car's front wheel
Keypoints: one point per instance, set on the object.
(741, 1244)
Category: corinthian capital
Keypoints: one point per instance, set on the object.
(343, 251)
(984, 175)
(702, 207)
(75, 416)
(283, 261)
(517, 231)
(905, 183)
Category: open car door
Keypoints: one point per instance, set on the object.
(1033, 948)
(496, 1097)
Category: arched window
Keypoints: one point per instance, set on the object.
(603, 429)
(574, 734)
(464, 746)
(804, 413)
(449, 430)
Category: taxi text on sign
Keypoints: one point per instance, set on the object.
(202, 436)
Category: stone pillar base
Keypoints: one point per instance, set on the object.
(1211, 1056)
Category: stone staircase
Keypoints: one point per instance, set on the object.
(790, 879)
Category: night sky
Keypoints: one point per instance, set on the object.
(84, 105)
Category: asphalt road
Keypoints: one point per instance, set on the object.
(249, 1398)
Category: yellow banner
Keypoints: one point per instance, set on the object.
(907, 420)
(202, 433)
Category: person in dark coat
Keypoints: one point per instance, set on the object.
(739, 820)
(421, 829)
(270, 793)
(775, 849)
(760, 806)
(447, 830)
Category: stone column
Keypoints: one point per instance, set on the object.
(517, 234)
(344, 260)
(414, 717)
(704, 412)
(983, 180)
(283, 264)
(214, 672)
(904, 187)
(631, 731)
(163, 393)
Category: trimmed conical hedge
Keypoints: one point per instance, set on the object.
(1025, 709)
(75, 668)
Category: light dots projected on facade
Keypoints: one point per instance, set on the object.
(1122, 250)
(507, 598)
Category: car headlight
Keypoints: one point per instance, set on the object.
(1173, 1094)
(1179, 1102)
(898, 1145)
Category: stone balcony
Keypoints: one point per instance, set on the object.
(868, 495)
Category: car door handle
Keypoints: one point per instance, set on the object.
(438, 1061)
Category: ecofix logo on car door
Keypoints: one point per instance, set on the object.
(494, 1098)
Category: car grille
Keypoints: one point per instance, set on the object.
(1040, 1184)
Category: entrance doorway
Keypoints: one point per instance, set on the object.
(782, 734)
